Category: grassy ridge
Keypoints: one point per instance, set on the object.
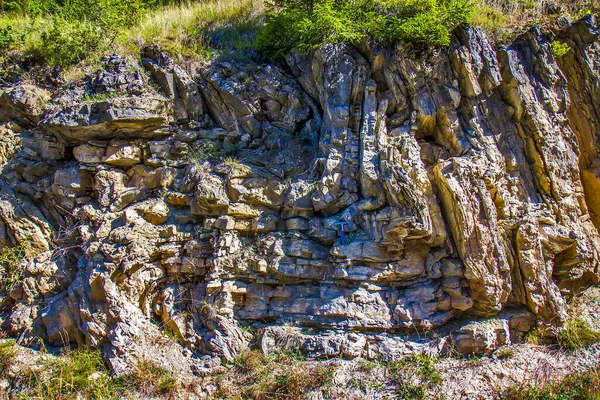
(66, 33)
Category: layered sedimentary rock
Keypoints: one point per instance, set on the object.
(373, 192)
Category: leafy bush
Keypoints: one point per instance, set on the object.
(308, 25)
(6, 38)
(66, 43)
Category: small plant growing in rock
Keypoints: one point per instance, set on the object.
(170, 333)
(232, 161)
(205, 151)
(209, 310)
(101, 96)
(536, 336)
(7, 355)
(248, 329)
(151, 378)
(505, 352)
(366, 365)
(10, 267)
(560, 49)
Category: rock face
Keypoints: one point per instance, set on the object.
(372, 191)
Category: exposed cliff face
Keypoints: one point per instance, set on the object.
(373, 193)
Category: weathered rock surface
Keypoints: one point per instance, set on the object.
(373, 192)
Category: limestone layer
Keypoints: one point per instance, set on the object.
(363, 191)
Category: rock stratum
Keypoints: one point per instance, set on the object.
(358, 202)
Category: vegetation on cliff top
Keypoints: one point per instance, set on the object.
(310, 24)
(65, 33)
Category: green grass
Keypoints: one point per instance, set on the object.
(204, 152)
(80, 373)
(83, 374)
(198, 29)
(576, 333)
(404, 372)
(7, 355)
(82, 32)
(421, 364)
(505, 352)
(231, 161)
(577, 386)
(279, 375)
(214, 150)
(152, 378)
(10, 264)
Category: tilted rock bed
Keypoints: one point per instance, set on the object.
(382, 201)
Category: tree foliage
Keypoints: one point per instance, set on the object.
(304, 25)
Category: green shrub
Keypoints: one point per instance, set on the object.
(6, 38)
(535, 336)
(66, 43)
(576, 333)
(308, 25)
(505, 352)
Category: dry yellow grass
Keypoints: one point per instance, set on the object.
(181, 28)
